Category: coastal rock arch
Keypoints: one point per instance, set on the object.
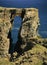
(20, 13)
(28, 30)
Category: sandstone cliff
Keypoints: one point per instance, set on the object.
(28, 29)
(32, 46)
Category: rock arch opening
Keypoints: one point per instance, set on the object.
(16, 22)
(27, 32)
(15, 28)
(15, 31)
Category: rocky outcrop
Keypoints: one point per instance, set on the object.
(28, 29)
(30, 24)
(28, 32)
(32, 46)
(4, 41)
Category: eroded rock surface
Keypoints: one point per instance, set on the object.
(33, 46)
(28, 28)
(28, 32)
(30, 24)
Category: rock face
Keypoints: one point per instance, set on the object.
(28, 29)
(29, 41)
(4, 41)
(30, 24)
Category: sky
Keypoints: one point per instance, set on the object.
(40, 4)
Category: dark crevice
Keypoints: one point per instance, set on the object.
(12, 12)
(12, 21)
(23, 13)
(9, 36)
(44, 63)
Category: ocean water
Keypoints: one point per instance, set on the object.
(15, 29)
(43, 25)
